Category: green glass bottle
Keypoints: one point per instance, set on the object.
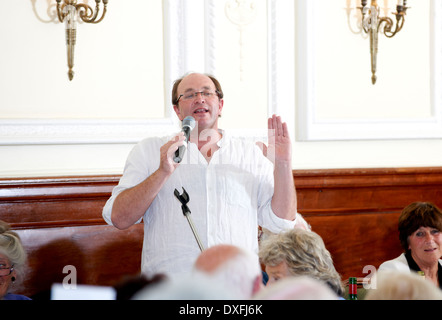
(352, 288)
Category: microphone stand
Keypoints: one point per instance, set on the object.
(184, 199)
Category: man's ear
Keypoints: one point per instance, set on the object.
(221, 105)
(178, 112)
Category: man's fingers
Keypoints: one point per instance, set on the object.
(173, 144)
(285, 130)
(263, 147)
(277, 127)
(179, 140)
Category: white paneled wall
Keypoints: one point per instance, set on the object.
(301, 59)
(338, 101)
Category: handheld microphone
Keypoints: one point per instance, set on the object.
(188, 125)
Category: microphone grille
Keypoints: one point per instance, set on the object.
(189, 122)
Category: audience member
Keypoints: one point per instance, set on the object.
(420, 225)
(12, 262)
(298, 252)
(392, 285)
(192, 287)
(236, 268)
(297, 288)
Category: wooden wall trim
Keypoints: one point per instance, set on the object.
(56, 187)
(55, 201)
(365, 190)
(372, 177)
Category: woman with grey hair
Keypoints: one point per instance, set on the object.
(12, 261)
(299, 252)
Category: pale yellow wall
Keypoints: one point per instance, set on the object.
(118, 63)
(120, 73)
(242, 64)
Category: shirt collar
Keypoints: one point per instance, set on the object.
(413, 266)
(223, 141)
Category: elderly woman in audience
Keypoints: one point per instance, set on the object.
(12, 260)
(299, 252)
(420, 225)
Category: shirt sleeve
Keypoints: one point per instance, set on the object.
(269, 220)
(135, 171)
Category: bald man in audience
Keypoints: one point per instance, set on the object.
(239, 270)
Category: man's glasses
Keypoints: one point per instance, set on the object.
(6, 271)
(193, 95)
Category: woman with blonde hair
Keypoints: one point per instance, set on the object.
(12, 261)
(299, 252)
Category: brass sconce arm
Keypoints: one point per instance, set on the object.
(86, 13)
(400, 19)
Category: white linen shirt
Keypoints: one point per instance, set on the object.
(229, 197)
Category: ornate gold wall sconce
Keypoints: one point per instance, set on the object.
(67, 12)
(372, 23)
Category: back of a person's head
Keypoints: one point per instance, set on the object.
(187, 287)
(237, 268)
(297, 288)
(393, 285)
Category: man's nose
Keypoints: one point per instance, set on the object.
(199, 96)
